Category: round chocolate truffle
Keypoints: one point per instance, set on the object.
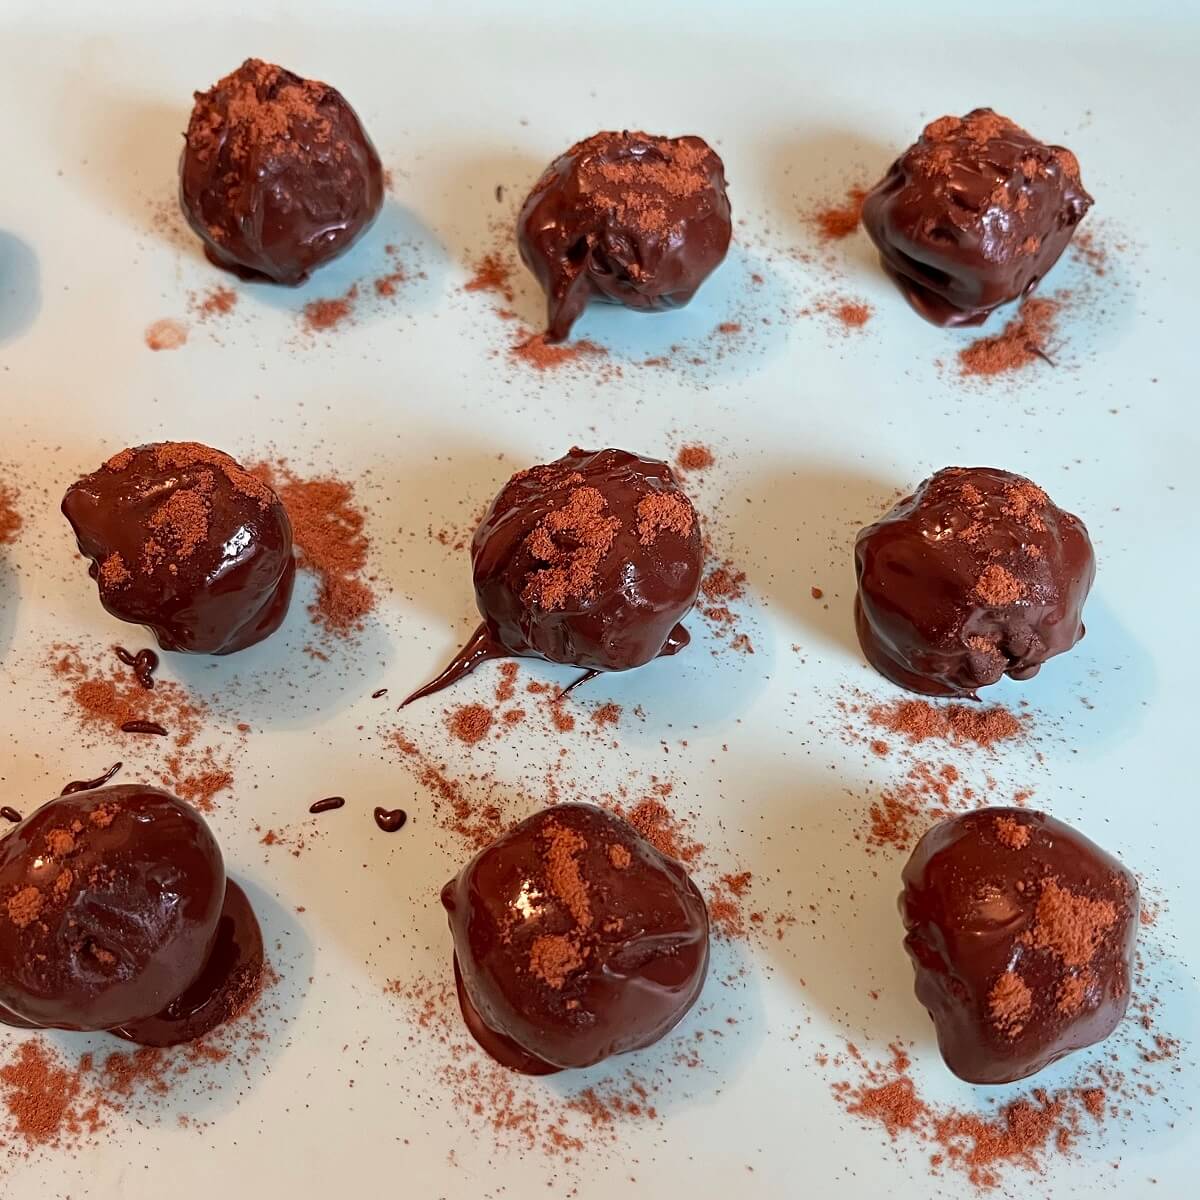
(973, 215)
(574, 940)
(591, 560)
(113, 902)
(974, 576)
(627, 218)
(1021, 933)
(188, 542)
(277, 175)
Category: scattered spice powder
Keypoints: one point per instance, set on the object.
(216, 302)
(166, 335)
(105, 698)
(1022, 341)
(470, 723)
(10, 518)
(493, 273)
(330, 313)
(694, 457)
(1021, 1135)
(958, 724)
(839, 220)
(328, 528)
(535, 351)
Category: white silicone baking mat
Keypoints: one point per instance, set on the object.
(357, 1075)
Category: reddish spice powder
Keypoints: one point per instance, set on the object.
(216, 302)
(166, 334)
(328, 528)
(10, 519)
(694, 457)
(1019, 1136)
(853, 313)
(839, 220)
(493, 273)
(607, 714)
(959, 724)
(470, 723)
(1022, 341)
(330, 313)
(535, 351)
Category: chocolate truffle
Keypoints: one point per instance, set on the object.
(574, 940)
(627, 218)
(973, 215)
(186, 541)
(974, 576)
(277, 175)
(1021, 933)
(591, 560)
(115, 914)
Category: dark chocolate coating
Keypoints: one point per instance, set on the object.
(185, 541)
(973, 215)
(627, 218)
(974, 576)
(111, 900)
(277, 175)
(973, 902)
(230, 979)
(635, 960)
(643, 584)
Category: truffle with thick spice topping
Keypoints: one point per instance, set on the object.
(1021, 933)
(277, 175)
(188, 542)
(976, 575)
(115, 914)
(626, 218)
(591, 560)
(974, 215)
(574, 940)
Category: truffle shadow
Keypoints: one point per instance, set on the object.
(20, 286)
(1096, 695)
(416, 252)
(816, 169)
(10, 592)
(846, 953)
(802, 522)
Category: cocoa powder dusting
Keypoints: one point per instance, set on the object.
(10, 518)
(328, 528)
(1022, 341)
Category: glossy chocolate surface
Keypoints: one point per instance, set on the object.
(974, 215)
(1021, 933)
(185, 541)
(574, 940)
(111, 900)
(976, 575)
(627, 218)
(591, 560)
(277, 175)
(229, 981)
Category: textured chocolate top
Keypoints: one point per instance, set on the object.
(625, 217)
(574, 939)
(1021, 933)
(277, 175)
(186, 541)
(976, 575)
(973, 215)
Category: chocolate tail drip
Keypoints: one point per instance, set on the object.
(676, 642)
(478, 649)
(564, 309)
(586, 677)
(678, 638)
